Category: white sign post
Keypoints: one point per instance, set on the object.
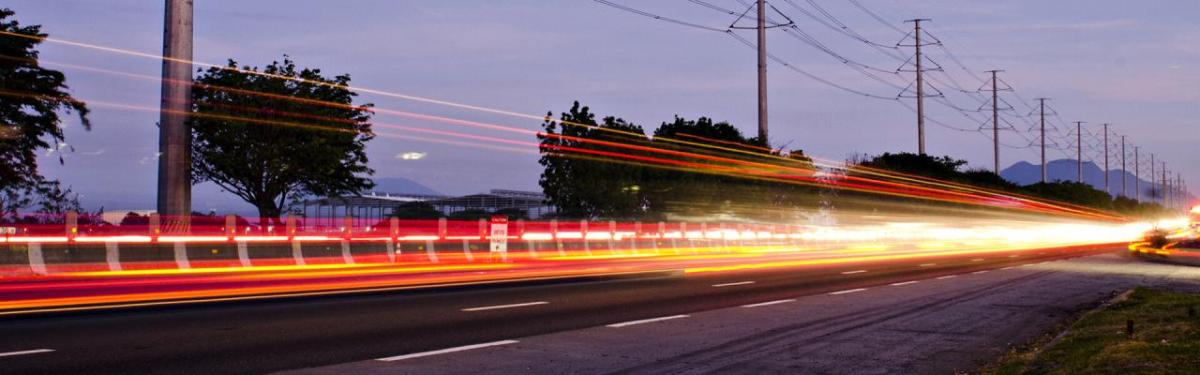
(499, 236)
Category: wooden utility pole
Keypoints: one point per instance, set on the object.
(174, 136)
(762, 72)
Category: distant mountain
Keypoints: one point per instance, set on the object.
(401, 185)
(1025, 173)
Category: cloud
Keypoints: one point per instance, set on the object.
(149, 159)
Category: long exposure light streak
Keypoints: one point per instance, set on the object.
(1005, 198)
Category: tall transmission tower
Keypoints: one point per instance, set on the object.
(1042, 102)
(1137, 175)
(1153, 178)
(762, 72)
(1124, 192)
(1106, 189)
(996, 119)
(1164, 187)
(174, 136)
(1079, 149)
(920, 84)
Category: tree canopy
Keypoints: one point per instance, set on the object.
(946, 168)
(31, 100)
(275, 137)
(416, 211)
(576, 177)
(610, 169)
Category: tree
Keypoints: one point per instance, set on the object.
(416, 211)
(31, 98)
(512, 213)
(470, 214)
(584, 175)
(277, 137)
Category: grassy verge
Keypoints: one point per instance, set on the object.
(1165, 340)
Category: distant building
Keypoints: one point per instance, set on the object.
(375, 206)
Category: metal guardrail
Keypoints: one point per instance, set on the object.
(38, 251)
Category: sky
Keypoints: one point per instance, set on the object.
(1127, 63)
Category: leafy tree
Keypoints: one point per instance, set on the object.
(688, 192)
(581, 175)
(512, 213)
(470, 214)
(942, 168)
(31, 99)
(279, 136)
(416, 211)
(134, 219)
(1072, 192)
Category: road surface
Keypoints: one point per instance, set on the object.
(934, 316)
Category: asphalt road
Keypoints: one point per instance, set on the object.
(301, 333)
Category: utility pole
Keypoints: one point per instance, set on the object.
(1106, 189)
(1079, 149)
(174, 136)
(1043, 113)
(1179, 196)
(996, 120)
(920, 85)
(1152, 177)
(1124, 172)
(1164, 186)
(762, 72)
(1137, 175)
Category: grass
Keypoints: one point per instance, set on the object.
(1166, 340)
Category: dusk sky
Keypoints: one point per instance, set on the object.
(1132, 64)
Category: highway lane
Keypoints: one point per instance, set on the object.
(937, 325)
(264, 336)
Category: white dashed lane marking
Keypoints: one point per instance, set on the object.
(848, 291)
(497, 307)
(445, 351)
(769, 303)
(732, 284)
(25, 352)
(644, 321)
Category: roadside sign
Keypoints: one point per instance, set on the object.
(499, 234)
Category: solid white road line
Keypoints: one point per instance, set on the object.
(24, 352)
(497, 307)
(847, 291)
(928, 264)
(854, 272)
(979, 272)
(947, 277)
(444, 351)
(769, 303)
(643, 321)
(732, 284)
(905, 283)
